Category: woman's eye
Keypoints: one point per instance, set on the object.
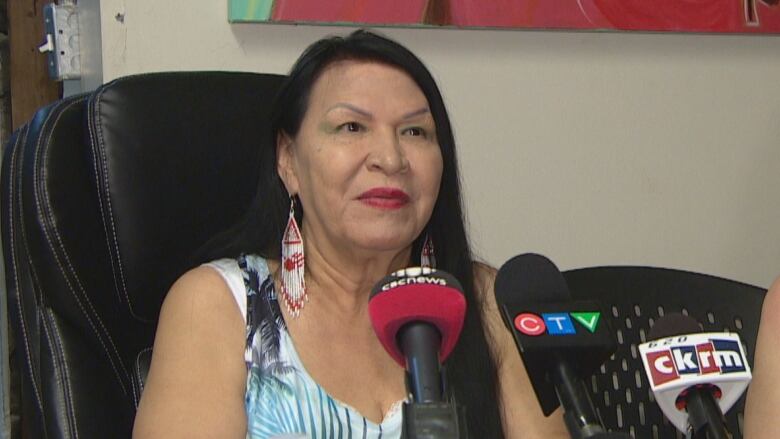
(352, 127)
(415, 131)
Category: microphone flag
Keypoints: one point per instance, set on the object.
(675, 364)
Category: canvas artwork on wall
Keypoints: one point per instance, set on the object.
(722, 16)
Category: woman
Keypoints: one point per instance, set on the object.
(362, 180)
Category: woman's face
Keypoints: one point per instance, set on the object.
(366, 162)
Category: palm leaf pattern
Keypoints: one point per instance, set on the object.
(282, 400)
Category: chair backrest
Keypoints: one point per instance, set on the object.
(105, 198)
(634, 298)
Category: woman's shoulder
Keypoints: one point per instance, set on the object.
(203, 289)
(197, 369)
(484, 278)
(215, 287)
(484, 274)
(198, 318)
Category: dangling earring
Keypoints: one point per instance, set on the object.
(427, 255)
(293, 284)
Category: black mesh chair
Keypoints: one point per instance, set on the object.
(105, 198)
(634, 298)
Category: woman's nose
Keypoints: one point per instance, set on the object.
(387, 154)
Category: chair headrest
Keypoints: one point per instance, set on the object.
(176, 159)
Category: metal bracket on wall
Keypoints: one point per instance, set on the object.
(61, 24)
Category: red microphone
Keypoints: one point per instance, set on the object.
(418, 314)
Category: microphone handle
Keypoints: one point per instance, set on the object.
(704, 416)
(580, 415)
(420, 342)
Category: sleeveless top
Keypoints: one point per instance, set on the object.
(282, 399)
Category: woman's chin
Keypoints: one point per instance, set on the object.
(383, 243)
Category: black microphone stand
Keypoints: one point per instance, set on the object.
(428, 415)
(580, 415)
(434, 420)
(705, 417)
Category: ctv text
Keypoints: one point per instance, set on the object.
(558, 323)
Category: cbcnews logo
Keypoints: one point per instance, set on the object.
(558, 323)
(715, 356)
(414, 275)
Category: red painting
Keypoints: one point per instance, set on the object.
(729, 16)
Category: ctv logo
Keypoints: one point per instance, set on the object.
(714, 356)
(558, 323)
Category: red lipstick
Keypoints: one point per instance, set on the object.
(385, 198)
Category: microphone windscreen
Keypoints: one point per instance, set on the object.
(530, 277)
(417, 295)
(672, 325)
(550, 329)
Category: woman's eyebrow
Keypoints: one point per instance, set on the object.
(416, 113)
(350, 107)
(362, 112)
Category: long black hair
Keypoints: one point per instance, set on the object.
(471, 368)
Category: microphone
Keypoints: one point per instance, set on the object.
(695, 376)
(560, 340)
(418, 314)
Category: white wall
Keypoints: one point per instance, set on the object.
(90, 47)
(592, 148)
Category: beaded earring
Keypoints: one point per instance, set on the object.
(292, 282)
(427, 256)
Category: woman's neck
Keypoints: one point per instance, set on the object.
(347, 280)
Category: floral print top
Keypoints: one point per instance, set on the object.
(282, 399)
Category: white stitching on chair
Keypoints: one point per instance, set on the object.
(70, 411)
(70, 265)
(46, 215)
(138, 374)
(98, 149)
(20, 140)
(136, 393)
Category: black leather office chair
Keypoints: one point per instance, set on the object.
(634, 298)
(105, 197)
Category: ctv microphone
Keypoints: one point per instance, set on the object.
(418, 314)
(560, 340)
(695, 376)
